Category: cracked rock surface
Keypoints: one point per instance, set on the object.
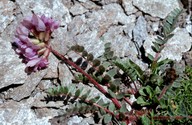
(127, 24)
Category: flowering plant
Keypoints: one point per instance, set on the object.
(32, 41)
(157, 90)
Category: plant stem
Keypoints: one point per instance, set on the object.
(96, 84)
(171, 117)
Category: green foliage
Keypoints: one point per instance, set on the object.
(149, 86)
(131, 69)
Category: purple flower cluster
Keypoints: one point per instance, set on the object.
(32, 41)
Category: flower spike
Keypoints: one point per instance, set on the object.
(32, 41)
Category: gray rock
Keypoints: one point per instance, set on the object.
(74, 120)
(90, 5)
(82, 1)
(11, 68)
(140, 31)
(174, 47)
(189, 25)
(53, 67)
(30, 84)
(51, 8)
(77, 9)
(45, 84)
(128, 6)
(157, 8)
(87, 121)
(6, 14)
(65, 75)
(14, 113)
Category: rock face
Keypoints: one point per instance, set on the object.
(14, 113)
(6, 13)
(128, 6)
(90, 23)
(157, 8)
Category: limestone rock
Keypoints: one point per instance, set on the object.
(14, 113)
(6, 14)
(11, 68)
(30, 84)
(157, 8)
(128, 6)
(52, 67)
(65, 75)
(140, 31)
(51, 8)
(77, 9)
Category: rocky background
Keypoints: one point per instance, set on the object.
(127, 24)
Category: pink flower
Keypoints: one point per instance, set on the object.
(32, 41)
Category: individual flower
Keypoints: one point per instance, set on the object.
(32, 41)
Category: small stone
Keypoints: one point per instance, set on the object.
(82, 1)
(157, 8)
(140, 31)
(30, 84)
(14, 113)
(74, 120)
(45, 84)
(77, 9)
(52, 67)
(6, 14)
(128, 6)
(90, 5)
(65, 75)
(53, 8)
(11, 67)
(87, 121)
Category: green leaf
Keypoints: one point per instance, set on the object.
(155, 49)
(111, 107)
(113, 87)
(141, 101)
(77, 93)
(112, 72)
(145, 120)
(63, 89)
(141, 92)
(107, 118)
(123, 108)
(96, 62)
(150, 57)
(157, 90)
(95, 99)
(107, 45)
(90, 57)
(84, 53)
(111, 93)
(165, 61)
(120, 96)
(106, 64)
(123, 123)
